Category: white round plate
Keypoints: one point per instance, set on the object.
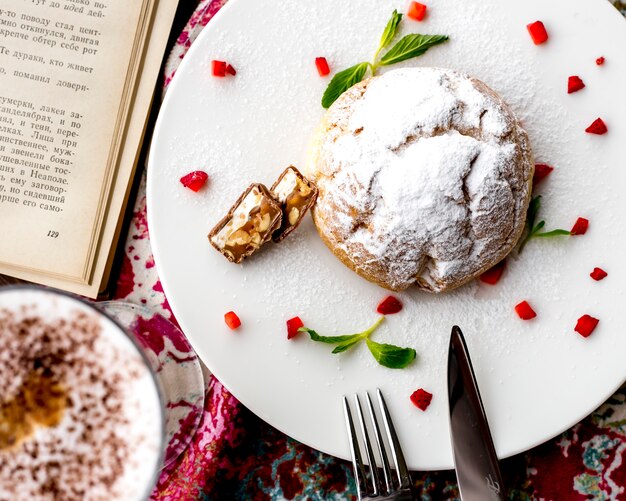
(538, 377)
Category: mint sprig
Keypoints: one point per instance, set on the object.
(408, 47)
(534, 230)
(388, 355)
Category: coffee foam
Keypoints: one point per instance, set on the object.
(108, 442)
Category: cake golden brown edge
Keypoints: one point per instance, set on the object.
(526, 157)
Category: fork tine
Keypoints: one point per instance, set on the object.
(368, 449)
(381, 448)
(357, 460)
(401, 468)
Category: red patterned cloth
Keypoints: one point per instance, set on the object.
(235, 455)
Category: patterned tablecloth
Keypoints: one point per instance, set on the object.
(235, 455)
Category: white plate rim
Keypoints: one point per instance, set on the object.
(151, 198)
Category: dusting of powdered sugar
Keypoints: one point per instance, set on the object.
(424, 178)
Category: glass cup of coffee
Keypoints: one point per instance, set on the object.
(81, 412)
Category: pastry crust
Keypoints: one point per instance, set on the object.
(424, 177)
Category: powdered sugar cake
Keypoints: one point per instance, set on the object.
(424, 178)
(80, 416)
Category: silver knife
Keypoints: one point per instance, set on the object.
(475, 459)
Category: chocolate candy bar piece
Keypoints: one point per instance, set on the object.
(248, 224)
(296, 195)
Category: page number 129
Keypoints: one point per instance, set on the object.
(53, 234)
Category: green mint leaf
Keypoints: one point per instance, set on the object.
(552, 233)
(531, 216)
(340, 348)
(391, 356)
(390, 31)
(342, 81)
(329, 339)
(411, 46)
(537, 228)
(533, 210)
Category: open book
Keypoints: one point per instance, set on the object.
(76, 82)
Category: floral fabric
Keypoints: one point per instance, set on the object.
(235, 455)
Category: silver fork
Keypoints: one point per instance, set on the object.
(375, 487)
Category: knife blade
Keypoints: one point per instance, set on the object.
(475, 459)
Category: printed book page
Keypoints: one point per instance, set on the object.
(71, 93)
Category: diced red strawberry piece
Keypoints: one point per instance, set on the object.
(218, 68)
(537, 32)
(574, 84)
(586, 325)
(421, 399)
(232, 320)
(597, 127)
(194, 180)
(493, 274)
(230, 70)
(580, 226)
(322, 66)
(598, 274)
(416, 11)
(293, 324)
(600, 61)
(541, 171)
(389, 306)
(525, 311)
